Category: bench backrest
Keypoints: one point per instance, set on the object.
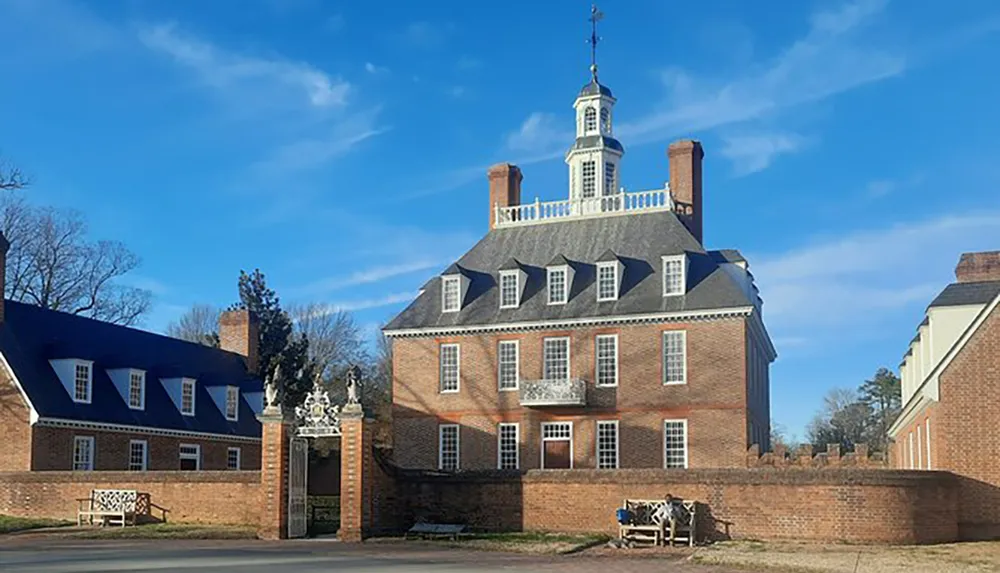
(645, 511)
(114, 499)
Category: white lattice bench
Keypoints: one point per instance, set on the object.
(111, 506)
(651, 520)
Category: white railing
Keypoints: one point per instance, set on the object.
(571, 392)
(551, 211)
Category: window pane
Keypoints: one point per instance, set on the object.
(590, 119)
(609, 179)
(233, 459)
(135, 390)
(605, 119)
(449, 447)
(232, 402)
(508, 289)
(81, 388)
(508, 447)
(557, 286)
(451, 294)
(675, 444)
(674, 357)
(507, 359)
(607, 360)
(607, 279)
(83, 454)
(556, 359)
(187, 397)
(137, 456)
(607, 445)
(556, 445)
(589, 178)
(557, 431)
(190, 457)
(673, 276)
(449, 367)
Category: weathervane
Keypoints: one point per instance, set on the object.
(595, 17)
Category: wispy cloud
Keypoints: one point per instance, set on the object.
(368, 303)
(425, 35)
(371, 275)
(879, 188)
(375, 70)
(751, 153)
(539, 133)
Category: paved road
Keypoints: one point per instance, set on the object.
(66, 556)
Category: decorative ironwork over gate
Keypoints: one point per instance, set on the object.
(318, 416)
(298, 475)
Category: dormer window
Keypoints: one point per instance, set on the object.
(187, 397)
(509, 294)
(607, 281)
(137, 390)
(590, 120)
(451, 289)
(674, 275)
(232, 403)
(558, 288)
(83, 380)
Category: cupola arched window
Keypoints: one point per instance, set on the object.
(590, 120)
(606, 119)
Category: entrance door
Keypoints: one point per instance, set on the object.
(298, 472)
(557, 445)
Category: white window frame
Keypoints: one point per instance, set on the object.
(88, 398)
(239, 459)
(196, 456)
(920, 448)
(506, 276)
(139, 375)
(565, 284)
(609, 182)
(591, 123)
(911, 466)
(445, 282)
(614, 281)
(663, 357)
(927, 432)
(517, 445)
(517, 365)
(667, 260)
(597, 359)
(560, 439)
(597, 443)
(233, 399)
(687, 439)
(592, 164)
(185, 383)
(458, 446)
(458, 368)
(569, 361)
(88, 464)
(145, 455)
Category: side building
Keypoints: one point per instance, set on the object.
(950, 378)
(592, 332)
(79, 394)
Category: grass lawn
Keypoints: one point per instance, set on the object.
(167, 531)
(9, 524)
(522, 542)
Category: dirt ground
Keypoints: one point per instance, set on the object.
(947, 558)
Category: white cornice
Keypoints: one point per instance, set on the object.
(708, 314)
(105, 427)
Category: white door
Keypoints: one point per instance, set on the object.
(298, 472)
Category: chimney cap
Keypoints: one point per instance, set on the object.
(978, 267)
(684, 146)
(503, 168)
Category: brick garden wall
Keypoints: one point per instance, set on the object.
(852, 505)
(223, 497)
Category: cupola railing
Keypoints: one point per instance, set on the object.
(622, 203)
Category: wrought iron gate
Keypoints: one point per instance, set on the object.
(298, 472)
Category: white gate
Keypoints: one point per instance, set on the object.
(298, 472)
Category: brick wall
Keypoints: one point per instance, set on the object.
(194, 497)
(844, 505)
(713, 400)
(53, 450)
(966, 429)
(15, 455)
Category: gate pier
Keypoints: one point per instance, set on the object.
(355, 474)
(276, 433)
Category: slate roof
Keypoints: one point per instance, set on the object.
(594, 88)
(638, 240)
(592, 141)
(957, 294)
(30, 336)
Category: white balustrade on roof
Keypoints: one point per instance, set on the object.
(623, 203)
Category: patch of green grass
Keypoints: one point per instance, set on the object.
(168, 531)
(10, 524)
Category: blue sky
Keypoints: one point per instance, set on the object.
(342, 146)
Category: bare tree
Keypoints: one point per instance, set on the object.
(11, 178)
(52, 264)
(200, 324)
(335, 340)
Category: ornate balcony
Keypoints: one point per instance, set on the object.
(572, 392)
(553, 211)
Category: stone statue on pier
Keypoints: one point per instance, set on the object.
(353, 384)
(273, 389)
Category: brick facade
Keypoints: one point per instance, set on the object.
(15, 427)
(714, 400)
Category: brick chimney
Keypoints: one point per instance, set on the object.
(685, 183)
(978, 267)
(239, 332)
(4, 247)
(505, 188)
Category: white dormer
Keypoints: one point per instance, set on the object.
(227, 400)
(183, 393)
(511, 281)
(454, 288)
(77, 377)
(559, 280)
(131, 385)
(674, 274)
(610, 273)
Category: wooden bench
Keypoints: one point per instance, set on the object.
(652, 521)
(110, 506)
(432, 530)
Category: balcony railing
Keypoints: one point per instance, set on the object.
(553, 211)
(572, 392)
